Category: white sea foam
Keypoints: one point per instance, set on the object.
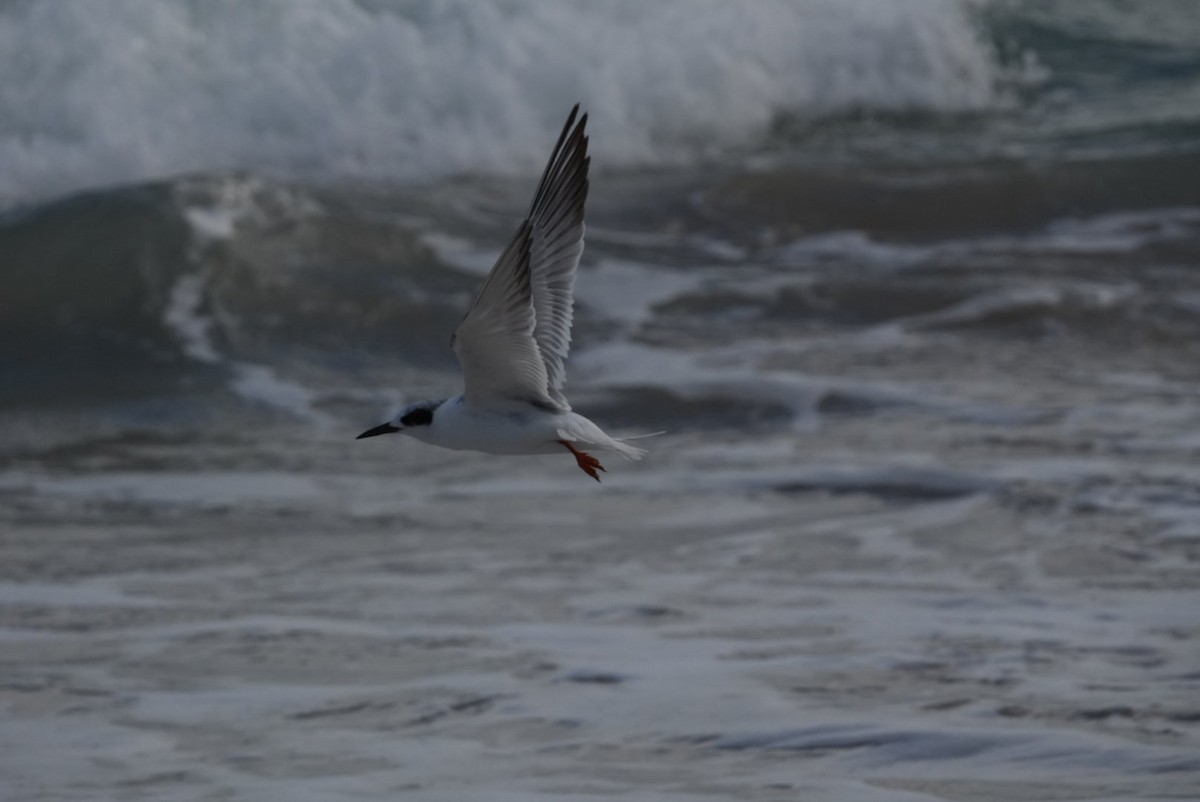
(168, 487)
(182, 316)
(187, 317)
(1115, 232)
(212, 222)
(252, 382)
(96, 93)
(263, 385)
(461, 253)
(607, 286)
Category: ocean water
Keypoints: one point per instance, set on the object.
(912, 285)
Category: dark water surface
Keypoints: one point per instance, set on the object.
(914, 288)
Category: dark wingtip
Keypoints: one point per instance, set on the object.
(383, 428)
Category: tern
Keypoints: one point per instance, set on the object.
(514, 341)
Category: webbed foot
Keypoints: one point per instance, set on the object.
(586, 462)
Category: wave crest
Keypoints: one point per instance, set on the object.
(126, 91)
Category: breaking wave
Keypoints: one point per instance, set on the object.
(125, 91)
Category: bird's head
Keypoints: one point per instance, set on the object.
(412, 416)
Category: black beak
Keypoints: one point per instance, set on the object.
(383, 428)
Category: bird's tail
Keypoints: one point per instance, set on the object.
(582, 430)
(641, 436)
(622, 447)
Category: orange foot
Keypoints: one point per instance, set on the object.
(587, 463)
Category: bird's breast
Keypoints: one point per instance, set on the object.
(461, 427)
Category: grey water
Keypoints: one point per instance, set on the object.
(913, 286)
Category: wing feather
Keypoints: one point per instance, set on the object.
(556, 216)
(514, 341)
(494, 343)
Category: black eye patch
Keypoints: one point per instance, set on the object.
(418, 417)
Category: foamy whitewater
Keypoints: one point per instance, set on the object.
(119, 92)
(912, 284)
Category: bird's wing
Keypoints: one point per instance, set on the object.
(556, 223)
(515, 338)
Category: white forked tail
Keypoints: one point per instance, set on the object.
(633, 452)
(627, 438)
(627, 451)
(582, 430)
